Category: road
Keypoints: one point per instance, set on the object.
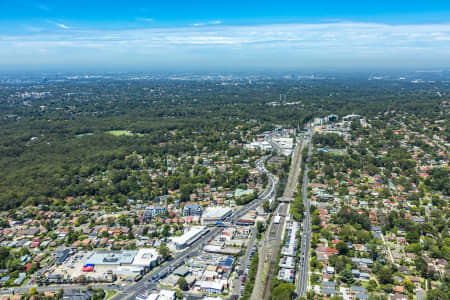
(388, 248)
(132, 290)
(302, 274)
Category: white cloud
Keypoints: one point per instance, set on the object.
(60, 25)
(341, 34)
(291, 44)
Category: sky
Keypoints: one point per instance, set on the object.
(118, 35)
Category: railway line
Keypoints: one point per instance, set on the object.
(272, 241)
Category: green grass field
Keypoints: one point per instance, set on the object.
(120, 132)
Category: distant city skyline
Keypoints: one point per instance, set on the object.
(255, 35)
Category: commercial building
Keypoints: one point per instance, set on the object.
(215, 214)
(147, 258)
(285, 143)
(212, 287)
(189, 237)
(161, 295)
(112, 258)
(129, 273)
(245, 222)
(260, 145)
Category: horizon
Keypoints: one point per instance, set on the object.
(203, 36)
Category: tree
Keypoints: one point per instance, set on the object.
(99, 294)
(409, 286)
(166, 230)
(266, 206)
(182, 284)
(163, 250)
(355, 124)
(412, 236)
(421, 265)
(186, 190)
(145, 230)
(315, 278)
(342, 248)
(260, 226)
(315, 220)
(283, 292)
(347, 276)
(436, 294)
(372, 285)
(33, 291)
(385, 275)
(328, 170)
(340, 264)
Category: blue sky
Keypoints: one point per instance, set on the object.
(224, 35)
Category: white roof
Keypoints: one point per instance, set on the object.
(188, 235)
(124, 257)
(217, 285)
(145, 257)
(216, 212)
(212, 248)
(128, 270)
(166, 295)
(162, 295)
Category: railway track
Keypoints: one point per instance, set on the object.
(272, 242)
(294, 172)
